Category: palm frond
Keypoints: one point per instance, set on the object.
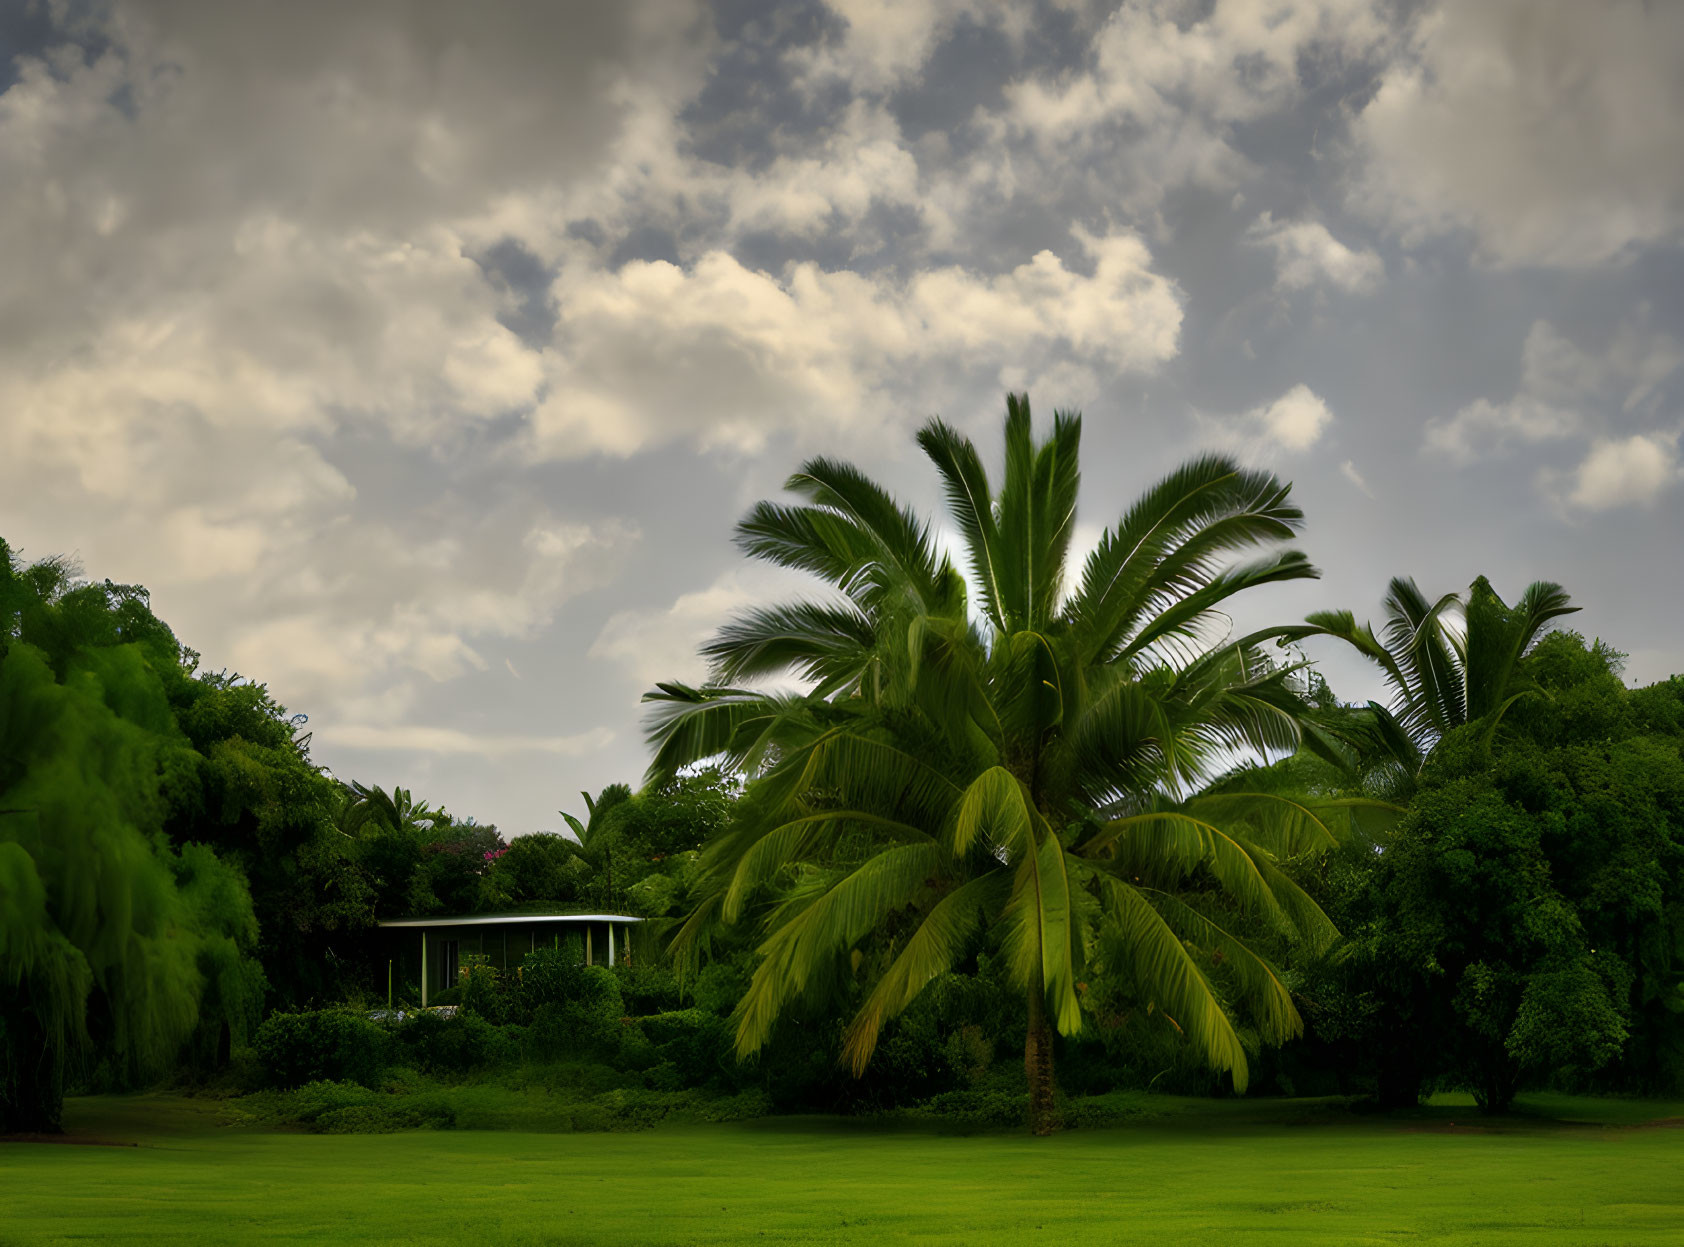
(689, 725)
(762, 854)
(1170, 543)
(995, 813)
(939, 941)
(827, 928)
(1184, 617)
(1498, 637)
(1163, 847)
(1429, 657)
(1136, 940)
(828, 645)
(1262, 989)
(862, 770)
(970, 502)
(901, 539)
(1043, 930)
(1036, 515)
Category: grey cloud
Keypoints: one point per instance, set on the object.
(1565, 390)
(404, 347)
(1551, 132)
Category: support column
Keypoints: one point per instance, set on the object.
(588, 960)
(423, 967)
(610, 944)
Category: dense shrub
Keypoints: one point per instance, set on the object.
(346, 1108)
(551, 976)
(455, 1045)
(648, 988)
(328, 1107)
(482, 990)
(694, 1044)
(576, 1010)
(322, 1045)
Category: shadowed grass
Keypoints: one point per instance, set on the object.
(1249, 1171)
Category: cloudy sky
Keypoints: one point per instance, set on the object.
(419, 356)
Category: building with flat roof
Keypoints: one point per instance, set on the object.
(504, 939)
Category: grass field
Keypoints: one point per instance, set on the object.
(1567, 1171)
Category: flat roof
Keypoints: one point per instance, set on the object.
(480, 920)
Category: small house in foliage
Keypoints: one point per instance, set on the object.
(436, 946)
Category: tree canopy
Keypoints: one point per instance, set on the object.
(1022, 771)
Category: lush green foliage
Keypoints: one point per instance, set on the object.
(323, 1044)
(1525, 924)
(1011, 783)
(118, 948)
(990, 829)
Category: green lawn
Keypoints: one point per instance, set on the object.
(1571, 1171)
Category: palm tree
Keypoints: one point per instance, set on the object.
(592, 858)
(1448, 663)
(1021, 769)
(395, 811)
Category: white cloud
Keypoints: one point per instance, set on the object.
(885, 42)
(663, 643)
(743, 352)
(1632, 471)
(1306, 255)
(1295, 421)
(419, 738)
(1563, 389)
(1551, 131)
(1483, 427)
(1349, 471)
(1291, 424)
(238, 268)
(1171, 86)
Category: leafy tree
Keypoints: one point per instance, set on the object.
(394, 836)
(538, 867)
(257, 798)
(456, 859)
(1509, 982)
(1016, 771)
(116, 948)
(1524, 923)
(1448, 662)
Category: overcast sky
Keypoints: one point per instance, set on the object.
(420, 356)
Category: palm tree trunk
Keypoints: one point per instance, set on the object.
(1038, 1062)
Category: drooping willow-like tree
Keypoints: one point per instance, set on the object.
(115, 947)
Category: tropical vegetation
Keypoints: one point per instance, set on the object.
(999, 836)
(1024, 770)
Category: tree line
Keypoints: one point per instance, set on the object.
(1013, 799)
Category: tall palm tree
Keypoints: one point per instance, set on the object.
(1021, 768)
(1448, 663)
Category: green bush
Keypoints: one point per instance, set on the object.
(455, 1045)
(305, 1105)
(334, 1045)
(576, 1014)
(983, 1108)
(648, 987)
(1110, 1109)
(482, 990)
(328, 1107)
(695, 1043)
(551, 976)
(387, 1118)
